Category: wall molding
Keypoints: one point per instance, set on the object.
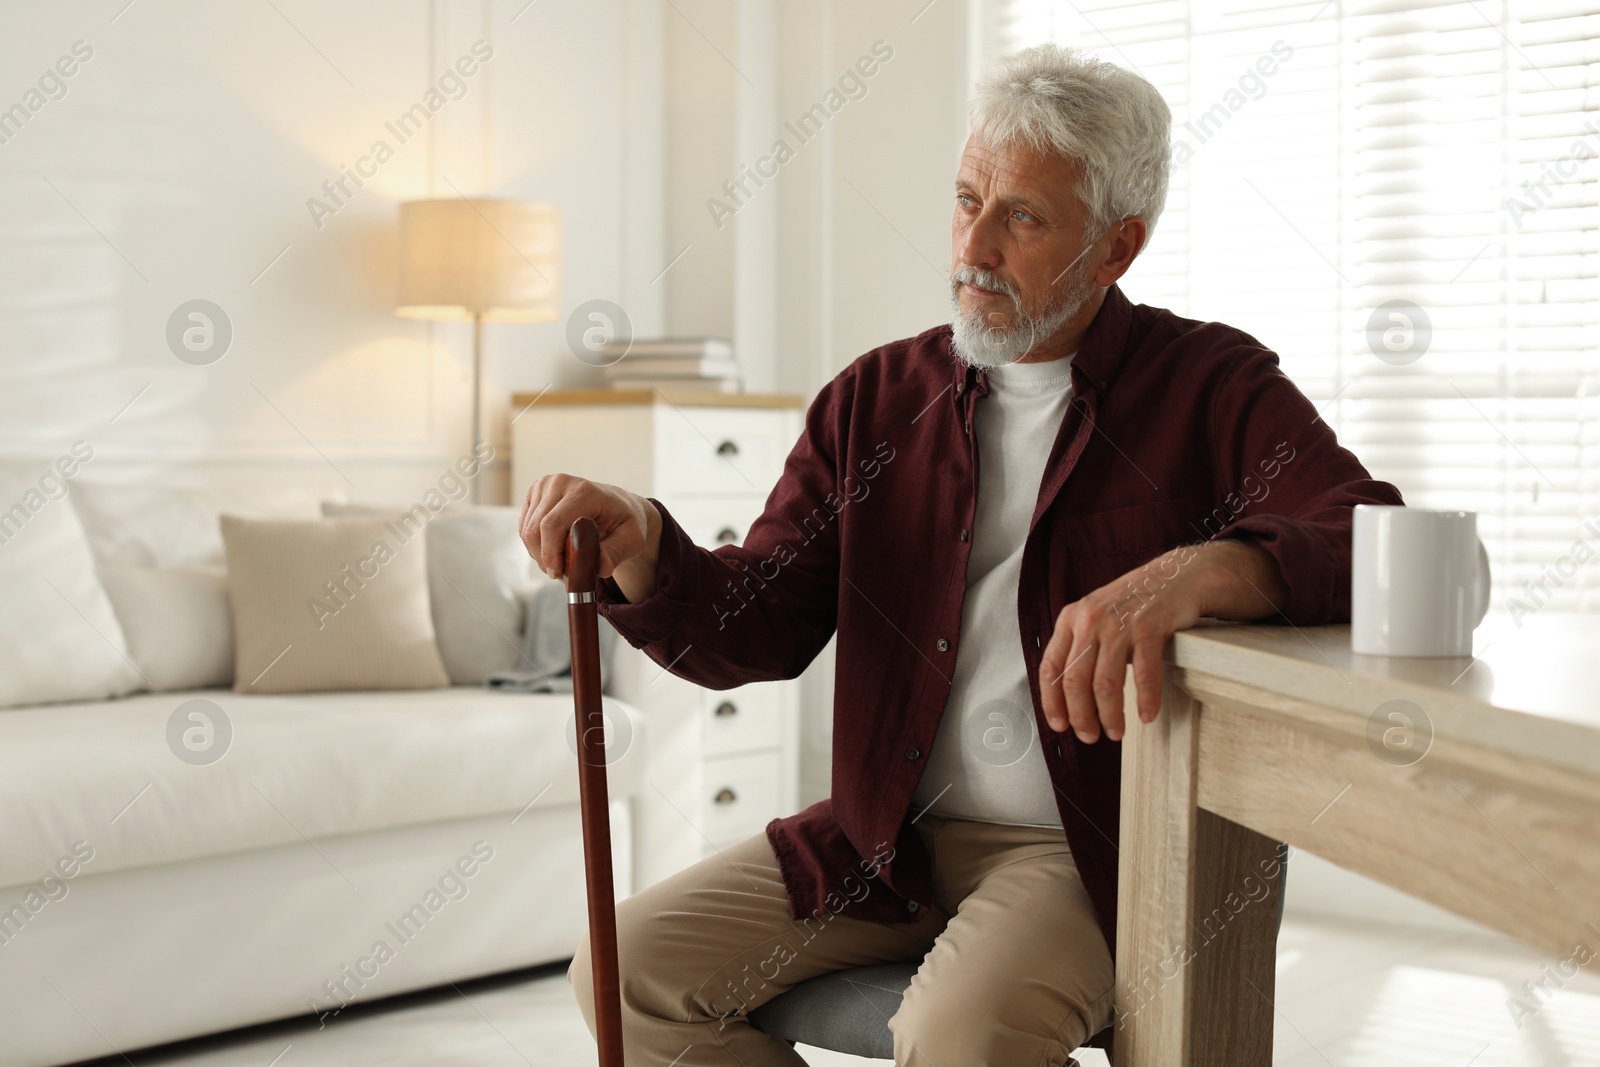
(237, 453)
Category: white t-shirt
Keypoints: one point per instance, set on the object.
(987, 762)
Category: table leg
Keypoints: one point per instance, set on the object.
(1197, 910)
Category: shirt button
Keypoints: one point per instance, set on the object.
(912, 905)
(942, 645)
(964, 534)
(960, 387)
(913, 752)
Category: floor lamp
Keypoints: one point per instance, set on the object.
(479, 261)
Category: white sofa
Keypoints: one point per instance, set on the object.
(317, 848)
(208, 897)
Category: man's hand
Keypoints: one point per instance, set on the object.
(1086, 660)
(630, 530)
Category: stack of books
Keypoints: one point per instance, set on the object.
(702, 364)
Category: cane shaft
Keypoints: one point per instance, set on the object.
(583, 624)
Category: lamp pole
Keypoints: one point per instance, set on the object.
(477, 405)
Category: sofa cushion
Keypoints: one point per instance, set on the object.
(478, 575)
(159, 552)
(148, 526)
(478, 572)
(177, 621)
(280, 769)
(59, 638)
(330, 604)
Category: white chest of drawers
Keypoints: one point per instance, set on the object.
(720, 764)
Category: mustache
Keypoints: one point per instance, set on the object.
(983, 278)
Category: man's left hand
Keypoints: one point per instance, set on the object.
(1085, 663)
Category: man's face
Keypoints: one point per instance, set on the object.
(1019, 265)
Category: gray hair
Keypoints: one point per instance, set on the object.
(1111, 121)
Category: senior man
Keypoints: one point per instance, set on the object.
(997, 517)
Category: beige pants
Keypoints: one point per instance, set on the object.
(1015, 972)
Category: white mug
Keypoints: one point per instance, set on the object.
(1419, 581)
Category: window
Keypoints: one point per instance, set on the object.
(1402, 200)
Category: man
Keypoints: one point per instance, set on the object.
(998, 517)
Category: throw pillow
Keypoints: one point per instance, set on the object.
(59, 638)
(172, 526)
(148, 526)
(478, 574)
(330, 604)
(177, 621)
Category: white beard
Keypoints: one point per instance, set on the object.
(981, 344)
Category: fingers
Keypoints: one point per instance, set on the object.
(1066, 678)
(1066, 674)
(528, 525)
(1052, 666)
(542, 530)
(1147, 674)
(554, 525)
(1110, 674)
(1084, 669)
(1077, 685)
(555, 501)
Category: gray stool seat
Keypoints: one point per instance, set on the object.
(846, 1011)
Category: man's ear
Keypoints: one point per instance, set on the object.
(1123, 241)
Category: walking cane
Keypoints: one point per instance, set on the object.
(583, 623)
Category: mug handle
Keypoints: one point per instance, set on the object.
(1484, 580)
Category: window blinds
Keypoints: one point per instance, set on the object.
(1403, 200)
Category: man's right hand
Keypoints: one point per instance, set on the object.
(630, 530)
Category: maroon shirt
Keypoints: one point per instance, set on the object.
(1178, 432)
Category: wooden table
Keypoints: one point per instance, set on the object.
(1473, 784)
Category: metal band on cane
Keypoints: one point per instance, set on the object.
(580, 598)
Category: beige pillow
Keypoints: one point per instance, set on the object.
(330, 604)
(478, 575)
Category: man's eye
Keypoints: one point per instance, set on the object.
(963, 199)
(1021, 216)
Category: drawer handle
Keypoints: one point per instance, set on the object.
(727, 535)
(725, 796)
(727, 448)
(726, 709)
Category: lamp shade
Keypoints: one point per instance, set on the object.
(499, 260)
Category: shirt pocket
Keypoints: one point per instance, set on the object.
(1104, 545)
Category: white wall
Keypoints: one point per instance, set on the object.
(847, 245)
(889, 175)
(179, 165)
(700, 40)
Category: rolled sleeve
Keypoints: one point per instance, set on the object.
(1298, 486)
(1314, 560)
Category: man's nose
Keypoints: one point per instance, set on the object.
(976, 247)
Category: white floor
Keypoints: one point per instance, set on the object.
(1348, 996)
